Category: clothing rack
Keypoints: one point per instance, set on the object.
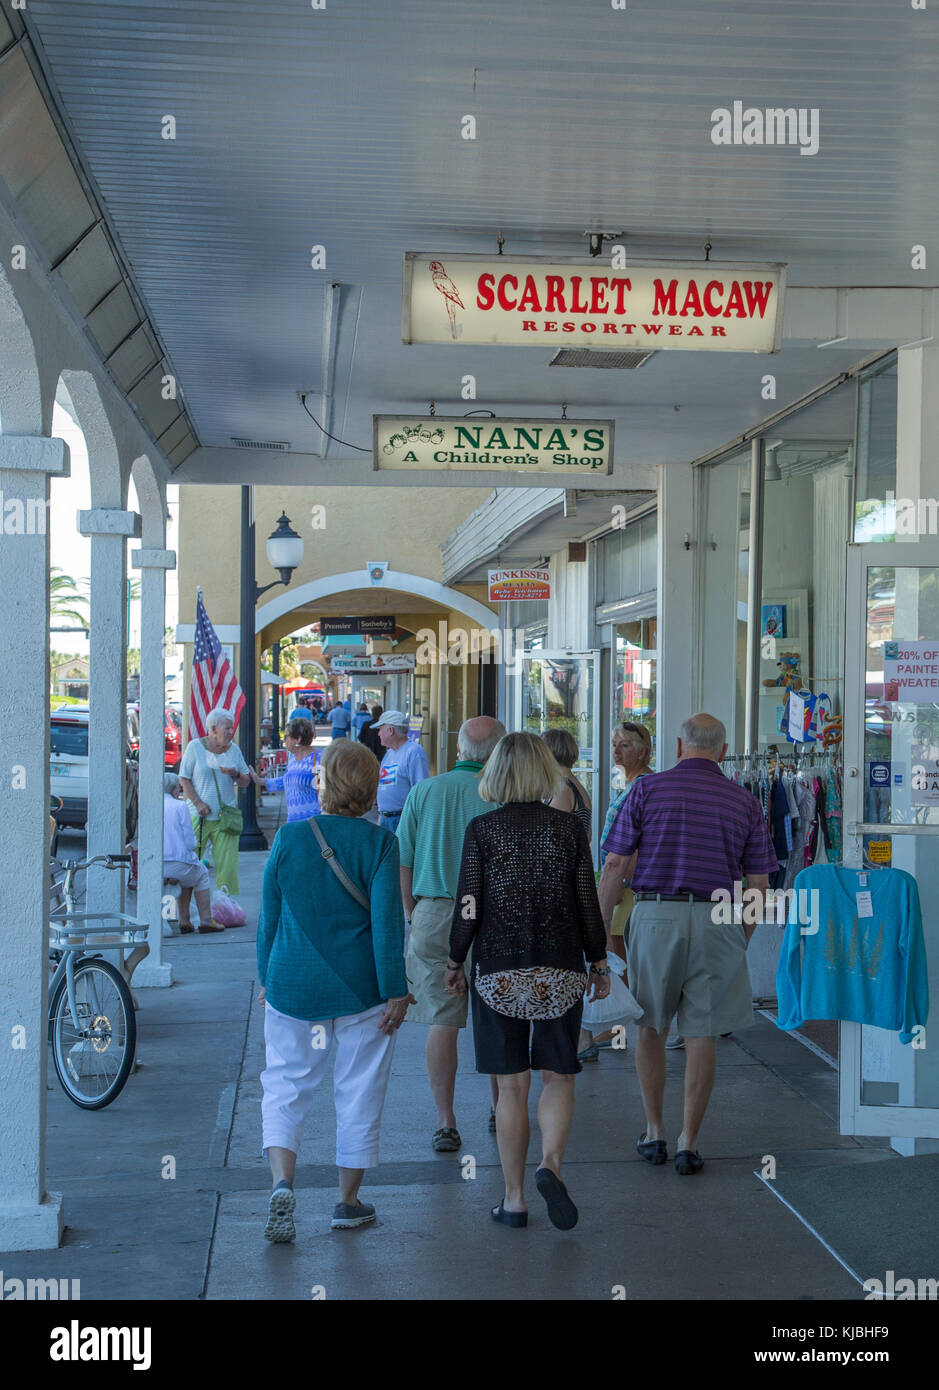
(798, 788)
(796, 757)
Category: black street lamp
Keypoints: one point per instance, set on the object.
(284, 551)
(276, 649)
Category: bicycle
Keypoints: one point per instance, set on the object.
(92, 1023)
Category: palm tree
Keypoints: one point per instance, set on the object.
(65, 601)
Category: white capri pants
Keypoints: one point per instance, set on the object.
(295, 1068)
(187, 875)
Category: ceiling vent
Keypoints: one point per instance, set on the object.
(583, 357)
(279, 444)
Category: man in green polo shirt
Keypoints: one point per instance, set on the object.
(430, 839)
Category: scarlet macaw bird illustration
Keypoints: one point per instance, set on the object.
(449, 291)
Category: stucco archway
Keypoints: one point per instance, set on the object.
(416, 584)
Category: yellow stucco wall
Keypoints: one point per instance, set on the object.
(401, 525)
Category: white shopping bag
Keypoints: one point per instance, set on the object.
(619, 1006)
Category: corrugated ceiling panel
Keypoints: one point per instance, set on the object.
(342, 127)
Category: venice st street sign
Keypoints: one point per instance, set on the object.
(564, 448)
(703, 306)
(373, 664)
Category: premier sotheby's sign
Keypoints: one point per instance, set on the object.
(562, 447)
(700, 306)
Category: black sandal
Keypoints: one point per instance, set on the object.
(561, 1210)
(508, 1218)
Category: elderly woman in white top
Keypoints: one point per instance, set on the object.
(181, 863)
(210, 771)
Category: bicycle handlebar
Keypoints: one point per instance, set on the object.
(110, 861)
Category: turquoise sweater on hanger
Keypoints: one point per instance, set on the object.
(854, 950)
(320, 953)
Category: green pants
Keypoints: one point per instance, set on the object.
(224, 851)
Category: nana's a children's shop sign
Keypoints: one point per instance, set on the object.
(508, 586)
(703, 306)
(580, 447)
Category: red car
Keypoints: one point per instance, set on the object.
(172, 734)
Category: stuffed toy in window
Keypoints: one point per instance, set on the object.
(788, 677)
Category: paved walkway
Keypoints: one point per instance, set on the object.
(135, 1230)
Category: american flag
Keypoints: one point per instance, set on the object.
(213, 680)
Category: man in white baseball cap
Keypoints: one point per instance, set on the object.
(404, 764)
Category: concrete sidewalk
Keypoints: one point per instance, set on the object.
(166, 1191)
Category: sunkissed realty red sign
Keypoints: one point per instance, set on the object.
(707, 306)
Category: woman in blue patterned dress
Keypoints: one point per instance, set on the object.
(298, 782)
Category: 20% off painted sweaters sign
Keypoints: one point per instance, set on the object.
(702, 307)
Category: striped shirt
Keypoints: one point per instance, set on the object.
(695, 831)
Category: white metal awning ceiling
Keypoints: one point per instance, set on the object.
(340, 127)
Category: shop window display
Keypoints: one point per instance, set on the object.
(634, 683)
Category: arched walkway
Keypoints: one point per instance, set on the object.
(352, 580)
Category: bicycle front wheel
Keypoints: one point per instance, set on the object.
(93, 1059)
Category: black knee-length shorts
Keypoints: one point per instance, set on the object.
(508, 1045)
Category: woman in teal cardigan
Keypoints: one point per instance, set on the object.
(330, 968)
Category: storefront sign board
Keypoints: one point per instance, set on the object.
(373, 664)
(568, 449)
(519, 301)
(360, 627)
(513, 585)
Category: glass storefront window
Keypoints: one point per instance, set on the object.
(635, 659)
(806, 525)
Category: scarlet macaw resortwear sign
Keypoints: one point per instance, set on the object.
(704, 306)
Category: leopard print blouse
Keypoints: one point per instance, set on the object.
(539, 992)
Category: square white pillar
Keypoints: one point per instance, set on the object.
(107, 722)
(30, 1218)
(152, 564)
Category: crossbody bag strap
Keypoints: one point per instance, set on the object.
(330, 856)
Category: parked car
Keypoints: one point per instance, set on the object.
(172, 733)
(68, 745)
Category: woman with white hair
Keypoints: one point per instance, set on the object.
(527, 905)
(181, 863)
(210, 771)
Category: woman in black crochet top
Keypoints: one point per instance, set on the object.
(527, 905)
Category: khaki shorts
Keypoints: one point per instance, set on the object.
(681, 962)
(186, 875)
(428, 949)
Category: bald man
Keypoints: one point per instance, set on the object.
(430, 838)
(681, 838)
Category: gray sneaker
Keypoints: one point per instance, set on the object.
(345, 1216)
(280, 1225)
(676, 1041)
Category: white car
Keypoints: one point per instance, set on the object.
(68, 746)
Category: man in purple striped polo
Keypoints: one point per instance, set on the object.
(681, 836)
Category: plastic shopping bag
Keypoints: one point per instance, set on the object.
(227, 910)
(619, 1006)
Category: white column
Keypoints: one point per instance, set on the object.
(152, 565)
(918, 476)
(917, 424)
(675, 692)
(107, 732)
(30, 1217)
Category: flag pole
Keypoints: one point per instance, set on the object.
(251, 836)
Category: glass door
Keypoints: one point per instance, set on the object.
(561, 690)
(891, 809)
